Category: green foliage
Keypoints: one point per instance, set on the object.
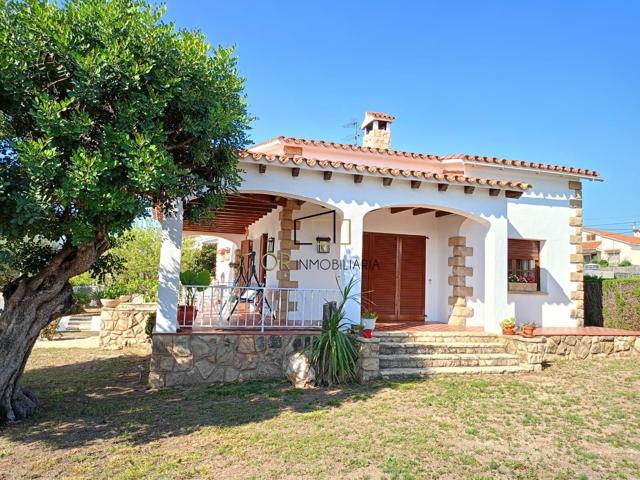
(603, 263)
(150, 324)
(335, 354)
(625, 263)
(369, 315)
(106, 111)
(190, 279)
(205, 259)
(508, 322)
(114, 290)
(613, 303)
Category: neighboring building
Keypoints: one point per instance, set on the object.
(459, 239)
(612, 247)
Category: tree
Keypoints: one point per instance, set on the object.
(106, 111)
(205, 259)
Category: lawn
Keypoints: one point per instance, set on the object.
(577, 420)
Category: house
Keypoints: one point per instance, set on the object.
(455, 243)
(610, 246)
(431, 238)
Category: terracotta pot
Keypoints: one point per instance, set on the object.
(509, 330)
(186, 315)
(109, 302)
(367, 333)
(528, 331)
(124, 298)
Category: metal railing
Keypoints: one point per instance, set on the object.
(232, 307)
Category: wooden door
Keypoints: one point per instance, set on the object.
(393, 275)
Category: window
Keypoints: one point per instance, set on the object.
(524, 264)
(382, 125)
(591, 237)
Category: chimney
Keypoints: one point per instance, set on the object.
(636, 232)
(377, 130)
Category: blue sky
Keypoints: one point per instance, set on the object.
(554, 82)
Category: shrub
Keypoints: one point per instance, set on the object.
(603, 263)
(149, 325)
(335, 354)
(613, 303)
(625, 263)
(50, 331)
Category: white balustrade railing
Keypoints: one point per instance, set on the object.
(228, 306)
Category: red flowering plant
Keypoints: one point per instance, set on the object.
(527, 278)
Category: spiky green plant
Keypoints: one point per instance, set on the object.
(335, 354)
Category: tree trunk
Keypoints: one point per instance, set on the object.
(30, 304)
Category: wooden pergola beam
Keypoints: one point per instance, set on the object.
(442, 187)
(415, 184)
(494, 192)
(386, 181)
(468, 189)
(295, 171)
(327, 175)
(358, 178)
(262, 168)
(512, 194)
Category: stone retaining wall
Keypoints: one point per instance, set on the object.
(202, 359)
(538, 350)
(369, 362)
(124, 325)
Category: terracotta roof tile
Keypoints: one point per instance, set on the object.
(383, 116)
(593, 245)
(620, 237)
(383, 171)
(426, 156)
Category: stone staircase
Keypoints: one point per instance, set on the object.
(422, 354)
(79, 323)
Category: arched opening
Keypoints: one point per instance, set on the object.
(423, 264)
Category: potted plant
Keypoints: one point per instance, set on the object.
(356, 328)
(111, 294)
(369, 323)
(508, 326)
(528, 329)
(522, 283)
(192, 283)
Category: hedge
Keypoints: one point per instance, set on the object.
(612, 303)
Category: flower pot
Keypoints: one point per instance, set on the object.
(509, 330)
(369, 323)
(124, 298)
(109, 302)
(528, 331)
(186, 315)
(523, 287)
(367, 333)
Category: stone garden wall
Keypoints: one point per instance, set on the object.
(190, 359)
(369, 361)
(124, 325)
(538, 350)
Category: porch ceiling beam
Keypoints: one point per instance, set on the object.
(358, 178)
(257, 197)
(242, 209)
(512, 194)
(399, 209)
(442, 187)
(282, 201)
(422, 211)
(262, 168)
(295, 171)
(468, 189)
(415, 184)
(327, 175)
(387, 181)
(442, 213)
(494, 192)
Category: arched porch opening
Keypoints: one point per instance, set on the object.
(424, 264)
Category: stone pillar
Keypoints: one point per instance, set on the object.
(169, 272)
(286, 265)
(458, 281)
(496, 267)
(576, 258)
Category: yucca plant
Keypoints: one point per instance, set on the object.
(335, 354)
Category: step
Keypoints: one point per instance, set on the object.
(436, 337)
(417, 348)
(388, 373)
(448, 360)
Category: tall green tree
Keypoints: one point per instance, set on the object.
(105, 111)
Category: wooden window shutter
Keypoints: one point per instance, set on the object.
(523, 249)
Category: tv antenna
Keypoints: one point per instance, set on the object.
(357, 133)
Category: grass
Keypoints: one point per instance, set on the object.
(573, 420)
